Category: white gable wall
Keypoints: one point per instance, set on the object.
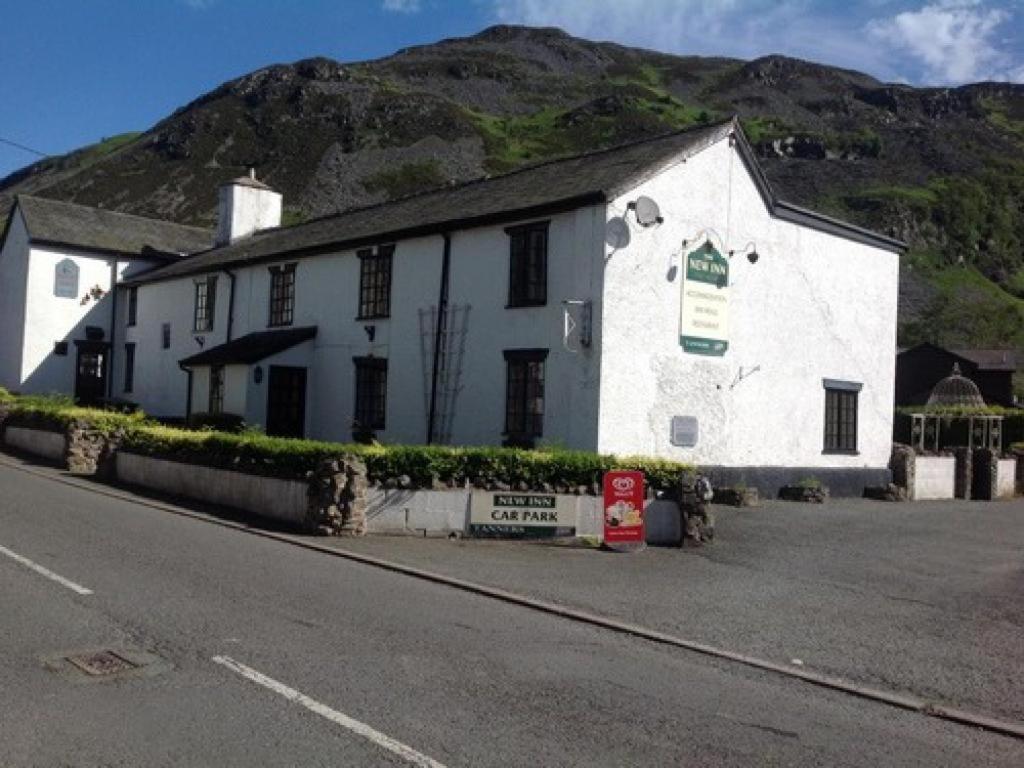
(13, 279)
(814, 306)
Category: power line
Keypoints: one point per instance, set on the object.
(22, 147)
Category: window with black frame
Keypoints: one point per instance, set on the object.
(129, 367)
(282, 295)
(165, 336)
(528, 265)
(375, 282)
(841, 404)
(133, 305)
(205, 304)
(524, 396)
(216, 389)
(371, 392)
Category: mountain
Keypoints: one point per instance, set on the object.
(942, 168)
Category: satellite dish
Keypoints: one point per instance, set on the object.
(616, 233)
(647, 212)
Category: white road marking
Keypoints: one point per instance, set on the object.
(45, 572)
(361, 729)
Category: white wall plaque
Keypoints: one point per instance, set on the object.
(685, 431)
(65, 281)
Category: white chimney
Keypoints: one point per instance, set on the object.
(244, 207)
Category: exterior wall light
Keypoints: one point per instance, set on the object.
(751, 250)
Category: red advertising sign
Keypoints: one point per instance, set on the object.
(624, 509)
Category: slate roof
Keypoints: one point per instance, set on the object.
(54, 222)
(989, 359)
(537, 190)
(251, 348)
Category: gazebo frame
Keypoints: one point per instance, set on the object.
(983, 430)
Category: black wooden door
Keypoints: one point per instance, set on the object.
(91, 373)
(286, 401)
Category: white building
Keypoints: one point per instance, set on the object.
(652, 299)
(58, 263)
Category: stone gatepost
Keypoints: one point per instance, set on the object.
(984, 477)
(83, 447)
(337, 498)
(1018, 474)
(901, 464)
(963, 477)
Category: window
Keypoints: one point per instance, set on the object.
(216, 389)
(375, 282)
(371, 391)
(206, 303)
(282, 294)
(841, 416)
(133, 305)
(60, 348)
(528, 265)
(524, 395)
(165, 336)
(129, 367)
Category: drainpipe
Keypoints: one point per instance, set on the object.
(113, 329)
(188, 395)
(231, 306)
(442, 311)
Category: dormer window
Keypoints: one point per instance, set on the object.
(282, 295)
(528, 265)
(205, 304)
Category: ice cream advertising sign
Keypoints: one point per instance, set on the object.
(624, 510)
(704, 309)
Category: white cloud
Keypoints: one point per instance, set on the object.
(401, 6)
(955, 40)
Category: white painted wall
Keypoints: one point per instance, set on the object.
(814, 306)
(13, 279)
(1006, 478)
(934, 478)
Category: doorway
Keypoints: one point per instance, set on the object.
(91, 372)
(286, 401)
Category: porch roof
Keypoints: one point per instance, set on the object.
(250, 348)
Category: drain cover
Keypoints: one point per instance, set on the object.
(102, 663)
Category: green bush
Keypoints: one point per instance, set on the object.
(5, 396)
(218, 422)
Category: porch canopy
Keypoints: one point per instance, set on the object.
(250, 348)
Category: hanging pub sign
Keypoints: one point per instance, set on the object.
(704, 307)
(65, 280)
(624, 510)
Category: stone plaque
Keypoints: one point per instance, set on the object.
(685, 431)
(65, 282)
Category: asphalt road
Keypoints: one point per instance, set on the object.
(396, 670)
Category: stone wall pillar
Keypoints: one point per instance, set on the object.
(984, 476)
(337, 498)
(1018, 474)
(964, 473)
(901, 464)
(88, 451)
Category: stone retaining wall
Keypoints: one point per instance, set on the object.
(934, 478)
(38, 442)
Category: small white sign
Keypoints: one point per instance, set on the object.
(522, 509)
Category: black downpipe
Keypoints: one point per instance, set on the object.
(113, 330)
(442, 313)
(231, 305)
(188, 394)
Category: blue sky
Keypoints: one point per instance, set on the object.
(75, 71)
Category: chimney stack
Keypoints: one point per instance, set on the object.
(244, 207)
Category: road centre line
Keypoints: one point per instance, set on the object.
(407, 753)
(45, 572)
(904, 701)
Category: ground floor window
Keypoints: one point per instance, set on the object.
(217, 389)
(841, 416)
(524, 395)
(129, 367)
(371, 392)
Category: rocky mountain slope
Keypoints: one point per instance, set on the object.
(941, 168)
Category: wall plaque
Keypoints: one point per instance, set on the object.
(65, 281)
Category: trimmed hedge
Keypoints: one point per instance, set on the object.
(55, 413)
(414, 466)
(405, 466)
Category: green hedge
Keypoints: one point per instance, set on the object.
(55, 413)
(422, 465)
(405, 465)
